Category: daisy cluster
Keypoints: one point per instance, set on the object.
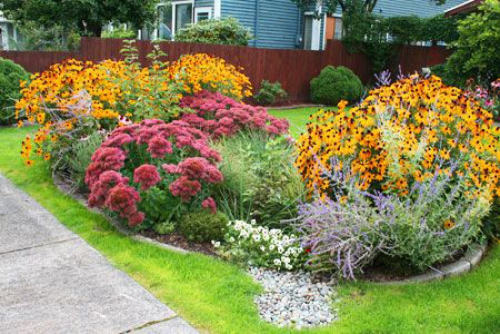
(248, 243)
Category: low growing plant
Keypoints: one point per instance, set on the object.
(269, 93)
(221, 116)
(251, 245)
(203, 226)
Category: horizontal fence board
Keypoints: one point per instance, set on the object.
(294, 69)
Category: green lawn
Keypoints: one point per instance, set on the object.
(298, 118)
(217, 297)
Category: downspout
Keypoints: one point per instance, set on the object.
(257, 18)
(298, 40)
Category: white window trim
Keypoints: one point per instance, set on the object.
(217, 9)
(174, 10)
(200, 10)
(315, 31)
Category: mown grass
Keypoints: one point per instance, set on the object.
(217, 297)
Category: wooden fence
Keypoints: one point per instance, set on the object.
(294, 69)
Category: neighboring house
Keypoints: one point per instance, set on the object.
(280, 24)
(8, 33)
(463, 8)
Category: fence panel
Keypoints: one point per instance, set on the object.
(294, 69)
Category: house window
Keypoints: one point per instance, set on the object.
(338, 28)
(165, 21)
(202, 14)
(183, 15)
(312, 31)
(172, 16)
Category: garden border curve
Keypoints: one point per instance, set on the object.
(463, 265)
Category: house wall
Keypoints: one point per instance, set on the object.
(205, 3)
(274, 23)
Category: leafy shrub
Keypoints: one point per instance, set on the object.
(259, 179)
(336, 84)
(219, 116)
(418, 157)
(203, 226)
(251, 245)
(475, 53)
(200, 71)
(270, 93)
(215, 31)
(120, 33)
(11, 76)
(143, 169)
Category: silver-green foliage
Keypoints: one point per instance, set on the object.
(259, 179)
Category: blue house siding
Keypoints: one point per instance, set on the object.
(205, 3)
(278, 24)
(243, 10)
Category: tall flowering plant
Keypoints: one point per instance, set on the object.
(409, 173)
(201, 71)
(431, 125)
(153, 171)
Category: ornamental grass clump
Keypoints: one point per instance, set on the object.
(410, 173)
(153, 172)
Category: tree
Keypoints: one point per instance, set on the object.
(476, 52)
(87, 16)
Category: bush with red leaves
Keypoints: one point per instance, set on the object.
(218, 116)
(152, 171)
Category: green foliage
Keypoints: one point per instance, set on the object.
(259, 179)
(36, 37)
(227, 31)
(10, 76)
(203, 226)
(157, 99)
(476, 51)
(164, 228)
(336, 84)
(449, 78)
(88, 16)
(270, 93)
(120, 33)
(77, 159)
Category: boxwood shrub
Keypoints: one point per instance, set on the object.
(336, 84)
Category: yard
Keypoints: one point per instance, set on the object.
(166, 195)
(217, 296)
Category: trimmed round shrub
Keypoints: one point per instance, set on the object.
(336, 84)
(11, 74)
(203, 226)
